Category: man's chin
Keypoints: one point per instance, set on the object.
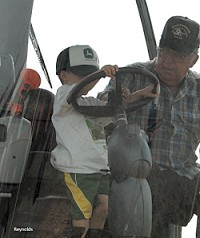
(168, 82)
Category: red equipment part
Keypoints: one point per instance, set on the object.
(29, 79)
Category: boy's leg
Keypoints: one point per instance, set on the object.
(100, 213)
(81, 207)
(100, 208)
(97, 233)
(82, 190)
(82, 223)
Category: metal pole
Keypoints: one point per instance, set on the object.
(147, 28)
(39, 53)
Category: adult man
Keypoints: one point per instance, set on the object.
(175, 131)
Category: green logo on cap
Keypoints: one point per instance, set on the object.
(88, 53)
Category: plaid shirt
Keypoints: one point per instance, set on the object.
(177, 132)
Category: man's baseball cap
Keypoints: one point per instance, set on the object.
(81, 60)
(181, 34)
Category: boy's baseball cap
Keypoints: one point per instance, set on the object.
(181, 34)
(81, 60)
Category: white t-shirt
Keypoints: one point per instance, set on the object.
(81, 145)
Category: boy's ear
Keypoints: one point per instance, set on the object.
(62, 74)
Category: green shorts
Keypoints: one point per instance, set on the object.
(82, 191)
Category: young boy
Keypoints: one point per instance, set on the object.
(81, 151)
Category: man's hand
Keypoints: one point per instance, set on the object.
(140, 94)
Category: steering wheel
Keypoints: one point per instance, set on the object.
(116, 101)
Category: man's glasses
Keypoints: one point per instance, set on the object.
(175, 56)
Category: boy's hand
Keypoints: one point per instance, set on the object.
(110, 70)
